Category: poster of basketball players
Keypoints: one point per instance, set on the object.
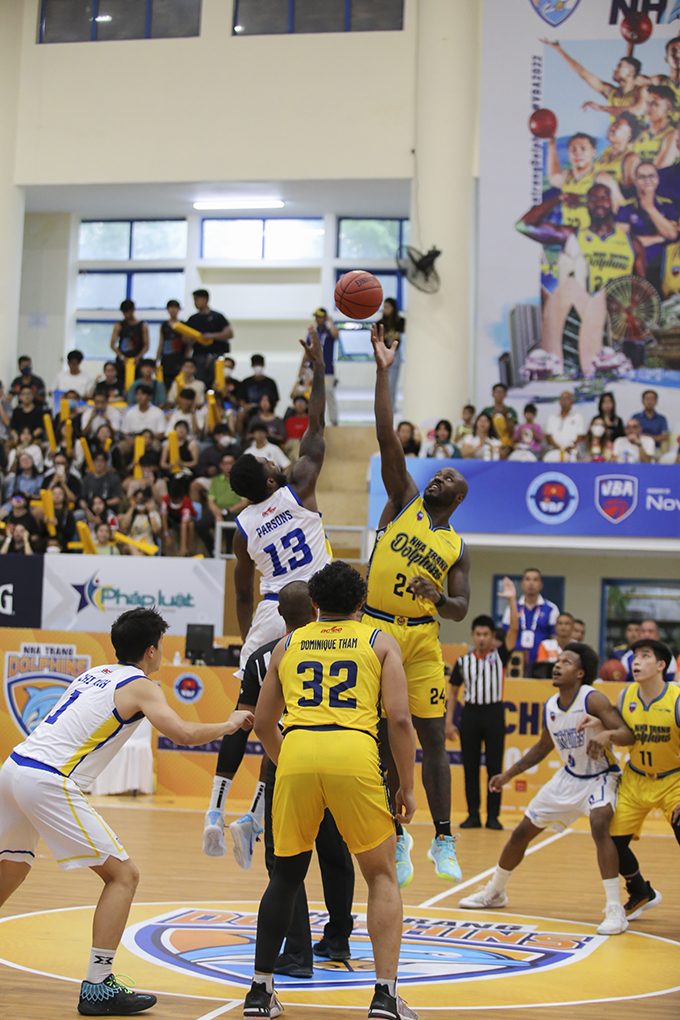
(579, 212)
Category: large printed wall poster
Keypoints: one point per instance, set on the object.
(579, 248)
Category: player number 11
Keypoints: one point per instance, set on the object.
(649, 757)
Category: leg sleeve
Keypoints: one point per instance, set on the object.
(471, 749)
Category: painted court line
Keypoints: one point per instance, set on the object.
(489, 871)
(232, 1004)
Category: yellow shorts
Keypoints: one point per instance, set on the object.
(638, 795)
(423, 664)
(334, 769)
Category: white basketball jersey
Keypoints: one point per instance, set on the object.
(83, 731)
(285, 540)
(569, 743)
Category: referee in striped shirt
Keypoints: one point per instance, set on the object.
(480, 673)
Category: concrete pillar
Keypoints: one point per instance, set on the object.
(436, 375)
(11, 197)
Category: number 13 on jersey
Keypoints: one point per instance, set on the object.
(294, 542)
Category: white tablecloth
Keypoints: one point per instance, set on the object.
(132, 767)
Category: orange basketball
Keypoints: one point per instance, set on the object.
(612, 670)
(636, 27)
(358, 294)
(543, 124)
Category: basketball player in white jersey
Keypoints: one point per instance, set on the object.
(41, 786)
(281, 534)
(581, 787)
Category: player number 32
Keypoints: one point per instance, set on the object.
(315, 684)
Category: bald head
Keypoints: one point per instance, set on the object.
(447, 488)
(295, 605)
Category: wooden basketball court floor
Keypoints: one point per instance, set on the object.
(558, 881)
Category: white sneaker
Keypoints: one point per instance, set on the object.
(404, 1011)
(615, 921)
(244, 834)
(213, 835)
(484, 899)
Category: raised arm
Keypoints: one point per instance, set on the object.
(398, 482)
(588, 77)
(244, 577)
(509, 592)
(304, 473)
(147, 697)
(270, 705)
(534, 224)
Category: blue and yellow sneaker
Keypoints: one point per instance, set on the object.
(403, 857)
(442, 853)
(111, 998)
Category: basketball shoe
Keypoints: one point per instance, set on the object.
(111, 998)
(213, 834)
(442, 853)
(484, 898)
(261, 1003)
(244, 832)
(615, 922)
(389, 1007)
(637, 904)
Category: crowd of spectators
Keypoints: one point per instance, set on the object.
(136, 461)
(495, 433)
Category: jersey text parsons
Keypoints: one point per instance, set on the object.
(275, 522)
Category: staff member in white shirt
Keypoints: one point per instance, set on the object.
(265, 450)
(634, 448)
(567, 429)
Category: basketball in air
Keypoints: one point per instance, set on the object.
(358, 294)
(543, 124)
(636, 27)
(613, 670)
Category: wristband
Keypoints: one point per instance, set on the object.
(441, 601)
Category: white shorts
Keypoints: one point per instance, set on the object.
(267, 626)
(565, 798)
(36, 803)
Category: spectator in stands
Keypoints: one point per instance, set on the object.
(217, 333)
(188, 451)
(109, 378)
(606, 410)
(296, 421)
(597, 447)
(537, 616)
(256, 384)
(186, 380)
(100, 414)
(209, 458)
(17, 541)
(223, 505)
(632, 634)
(651, 422)
(565, 429)
(171, 346)
(103, 541)
(504, 418)
(529, 435)
(99, 513)
(302, 387)
(466, 425)
(147, 377)
(26, 377)
(19, 513)
(143, 416)
(60, 474)
(129, 339)
(63, 520)
(634, 448)
(5, 415)
(102, 483)
(27, 414)
(73, 402)
(648, 631)
(550, 649)
(229, 393)
(73, 378)
(441, 446)
(26, 479)
(141, 522)
(406, 433)
(394, 325)
(328, 334)
(579, 630)
(276, 428)
(177, 520)
(483, 444)
(194, 417)
(262, 448)
(150, 466)
(27, 444)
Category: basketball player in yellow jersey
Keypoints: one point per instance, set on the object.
(619, 159)
(419, 568)
(651, 779)
(573, 181)
(657, 142)
(672, 80)
(628, 93)
(329, 680)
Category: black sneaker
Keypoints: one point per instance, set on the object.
(261, 1003)
(388, 1007)
(294, 965)
(493, 823)
(471, 822)
(637, 904)
(111, 998)
(332, 949)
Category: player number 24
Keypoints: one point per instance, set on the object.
(315, 685)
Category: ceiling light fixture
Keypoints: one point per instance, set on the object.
(238, 28)
(103, 17)
(240, 203)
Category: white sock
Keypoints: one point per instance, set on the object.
(101, 965)
(257, 807)
(220, 789)
(500, 879)
(612, 891)
(264, 979)
(391, 985)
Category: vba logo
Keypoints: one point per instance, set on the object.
(616, 496)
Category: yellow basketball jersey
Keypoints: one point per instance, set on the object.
(674, 86)
(656, 726)
(410, 546)
(330, 677)
(611, 163)
(670, 275)
(622, 100)
(607, 257)
(578, 217)
(647, 145)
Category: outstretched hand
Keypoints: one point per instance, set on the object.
(312, 348)
(384, 355)
(508, 591)
(240, 720)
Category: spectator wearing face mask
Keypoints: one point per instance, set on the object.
(256, 384)
(597, 446)
(26, 377)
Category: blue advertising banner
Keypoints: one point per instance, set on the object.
(514, 498)
(21, 585)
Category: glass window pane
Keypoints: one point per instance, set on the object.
(154, 290)
(388, 282)
(376, 15)
(94, 339)
(312, 16)
(232, 239)
(372, 239)
(261, 17)
(67, 21)
(104, 241)
(355, 343)
(121, 19)
(293, 239)
(101, 290)
(406, 232)
(175, 19)
(159, 239)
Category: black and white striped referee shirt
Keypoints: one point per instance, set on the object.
(482, 677)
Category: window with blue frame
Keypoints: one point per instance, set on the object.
(104, 289)
(392, 283)
(123, 240)
(282, 17)
(376, 238)
(277, 239)
(93, 337)
(101, 20)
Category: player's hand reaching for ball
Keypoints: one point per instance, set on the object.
(405, 805)
(312, 348)
(239, 721)
(384, 355)
(555, 45)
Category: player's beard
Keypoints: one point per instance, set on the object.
(280, 479)
(440, 498)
